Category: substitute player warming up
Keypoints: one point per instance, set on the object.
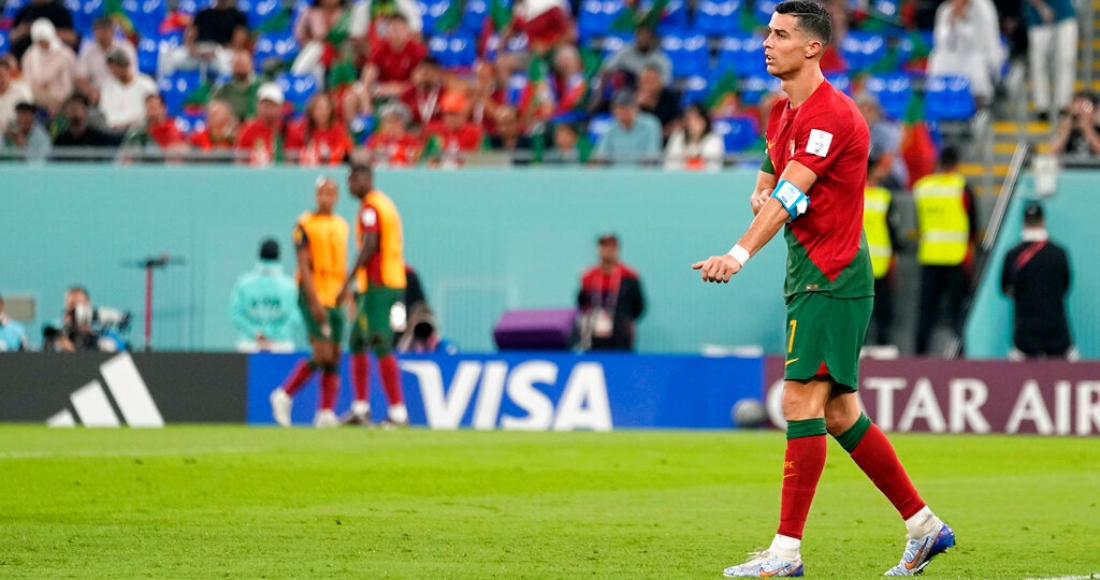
(379, 273)
(818, 147)
(321, 239)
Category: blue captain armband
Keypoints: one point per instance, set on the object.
(793, 199)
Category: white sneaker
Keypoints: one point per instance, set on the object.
(281, 403)
(764, 564)
(325, 418)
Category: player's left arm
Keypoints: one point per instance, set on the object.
(782, 206)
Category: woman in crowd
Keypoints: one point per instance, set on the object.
(319, 138)
(695, 147)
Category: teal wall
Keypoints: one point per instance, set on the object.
(1071, 217)
(484, 241)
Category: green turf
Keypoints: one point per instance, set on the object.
(231, 502)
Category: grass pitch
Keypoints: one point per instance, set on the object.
(233, 502)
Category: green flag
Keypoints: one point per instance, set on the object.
(342, 73)
(451, 18)
(276, 23)
(625, 21)
(340, 31)
(500, 16)
(113, 8)
(198, 97)
(726, 86)
(650, 18)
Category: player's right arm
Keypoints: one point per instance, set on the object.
(305, 266)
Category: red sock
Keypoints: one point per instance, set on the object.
(360, 375)
(297, 378)
(802, 467)
(330, 386)
(391, 379)
(876, 457)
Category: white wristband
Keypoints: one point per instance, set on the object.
(740, 254)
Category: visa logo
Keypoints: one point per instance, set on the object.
(583, 403)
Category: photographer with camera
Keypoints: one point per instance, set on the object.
(86, 329)
(1078, 133)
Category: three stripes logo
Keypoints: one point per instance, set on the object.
(127, 389)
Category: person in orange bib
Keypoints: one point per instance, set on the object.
(321, 239)
(379, 274)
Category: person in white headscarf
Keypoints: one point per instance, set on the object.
(49, 67)
(967, 44)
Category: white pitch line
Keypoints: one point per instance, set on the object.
(150, 453)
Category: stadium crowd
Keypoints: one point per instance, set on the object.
(431, 81)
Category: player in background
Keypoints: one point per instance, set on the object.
(379, 275)
(321, 239)
(813, 180)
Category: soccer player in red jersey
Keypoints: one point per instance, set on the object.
(812, 182)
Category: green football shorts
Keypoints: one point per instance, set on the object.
(372, 320)
(824, 337)
(331, 331)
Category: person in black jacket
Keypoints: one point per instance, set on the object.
(1036, 275)
(610, 301)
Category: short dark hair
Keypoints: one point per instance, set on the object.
(269, 250)
(949, 157)
(704, 113)
(118, 57)
(79, 98)
(360, 167)
(103, 22)
(812, 18)
(1033, 214)
(81, 289)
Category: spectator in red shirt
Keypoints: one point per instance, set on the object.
(610, 300)
(392, 62)
(489, 96)
(319, 138)
(546, 23)
(455, 134)
(262, 137)
(156, 135)
(392, 145)
(220, 133)
(422, 98)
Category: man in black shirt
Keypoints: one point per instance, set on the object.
(80, 133)
(1036, 275)
(222, 24)
(658, 100)
(52, 10)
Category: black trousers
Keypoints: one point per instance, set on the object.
(936, 284)
(883, 312)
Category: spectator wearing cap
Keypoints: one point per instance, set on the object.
(645, 51)
(389, 70)
(888, 168)
(634, 137)
(392, 145)
(610, 300)
(1036, 276)
(1078, 133)
(52, 10)
(220, 132)
(91, 65)
(12, 92)
(262, 137)
(25, 139)
(122, 98)
(264, 305)
(49, 67)
(80, 133)
(239, 91)
(454, 135)
(13, 336)
(156, 134)
(319, 138)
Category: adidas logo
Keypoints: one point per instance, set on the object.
(131, 397)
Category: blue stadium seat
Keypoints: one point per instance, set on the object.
(763, 10)
(517, 83)
(431, 11)
(11, 7)
(191, 123)
(863, 49)
(948, 98)
(281, 46)
(84, 13)
(192, 7)
(738, 133)
(673, 17)
(146, 14)
(887, 9)
(454, 50)
(297, 89)
(150, 48)
(696, 89)
(755, 87)
(688, 52)
(743, 54)
(361, 128)
(259, 11)
(614, 42)
(893, 92)
(598, 125)
(597, 16)
(176, 88)
(841, 82)
(4, 41)
(716, 17)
